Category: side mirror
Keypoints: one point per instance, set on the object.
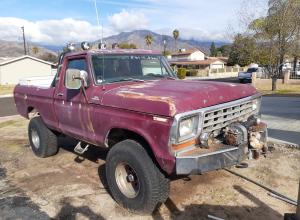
(76, 78)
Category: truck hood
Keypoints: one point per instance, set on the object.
(170, 97)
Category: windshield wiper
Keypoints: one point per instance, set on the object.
(128, 79)
(160, 76)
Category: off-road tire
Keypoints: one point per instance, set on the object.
(154, 186)
(48, 141)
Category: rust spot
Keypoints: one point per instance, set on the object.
(138, 95)
(261, 127)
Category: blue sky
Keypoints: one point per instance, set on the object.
(58, 21)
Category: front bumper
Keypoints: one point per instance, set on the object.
(199, 160)
(197, 164)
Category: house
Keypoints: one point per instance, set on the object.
(207, 64)
(12, 70)
(188, 55)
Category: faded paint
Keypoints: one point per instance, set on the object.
(136, 95)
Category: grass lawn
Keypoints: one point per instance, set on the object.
(282, 89)
(6, 90)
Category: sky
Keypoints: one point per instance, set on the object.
(56, 22)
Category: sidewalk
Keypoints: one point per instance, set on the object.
(6, 96)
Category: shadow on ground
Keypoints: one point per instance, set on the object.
(195, 211)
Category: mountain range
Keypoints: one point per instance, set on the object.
(16, 49)
(137, 37)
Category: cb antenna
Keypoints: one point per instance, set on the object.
(100, 29)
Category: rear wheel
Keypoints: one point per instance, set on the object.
(134, 180)
(42, 140)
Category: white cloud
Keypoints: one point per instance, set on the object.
(50, 31)
(128, 20)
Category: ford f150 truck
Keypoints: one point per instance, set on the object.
(154, 125)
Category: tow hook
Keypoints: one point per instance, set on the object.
(258, 139)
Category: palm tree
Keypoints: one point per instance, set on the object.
(149, 40)
(176, 36)
(35, 50)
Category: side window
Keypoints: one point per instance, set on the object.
(79, 64)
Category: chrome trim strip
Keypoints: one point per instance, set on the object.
(209, 154)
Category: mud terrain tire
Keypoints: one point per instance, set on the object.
(42, 140)
(134, 180)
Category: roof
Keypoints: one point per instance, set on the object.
(24, 57)
(187, 52)
(198, 62)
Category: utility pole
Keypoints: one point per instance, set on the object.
(298, 207)
(24, 41)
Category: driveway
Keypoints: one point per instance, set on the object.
(7, 107)
(282, 115)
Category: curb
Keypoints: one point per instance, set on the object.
(6, 118)
(6, 96)
(283, 143)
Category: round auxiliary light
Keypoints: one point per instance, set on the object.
(71, 46)
(85, 45)
(102, 46)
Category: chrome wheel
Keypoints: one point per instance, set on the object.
(127, 180)
(35, 138)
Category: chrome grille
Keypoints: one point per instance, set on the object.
(217, 119)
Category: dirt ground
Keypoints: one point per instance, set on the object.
(67, 186)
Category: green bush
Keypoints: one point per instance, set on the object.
(192, 73)
(181, 73)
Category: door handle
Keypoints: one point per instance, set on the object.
(60, 94)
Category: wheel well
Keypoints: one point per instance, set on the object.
(117, 135)
(32, 112)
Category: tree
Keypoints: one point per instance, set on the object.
(213, 50)
(225, 50)
(243, 51)
(149, 40)
(49, 57)
(127, 46)
(278, 31)
(166, 53)
(175, 36)
(35, 50)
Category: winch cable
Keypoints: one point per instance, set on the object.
(277, 194)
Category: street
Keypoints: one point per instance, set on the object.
(282, 115)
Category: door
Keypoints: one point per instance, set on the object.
(71, 106)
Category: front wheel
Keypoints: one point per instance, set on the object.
(133, 179)
(42, 140)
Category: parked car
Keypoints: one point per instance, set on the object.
(153, 124)
(247, 76)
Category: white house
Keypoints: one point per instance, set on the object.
(12, 70)
(207, 64)
(188, 55)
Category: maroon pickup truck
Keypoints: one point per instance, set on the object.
(154, 125)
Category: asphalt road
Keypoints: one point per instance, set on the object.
(7, 107)
(282, 115)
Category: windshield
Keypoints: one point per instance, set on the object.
(116, 68)
(251, 70)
